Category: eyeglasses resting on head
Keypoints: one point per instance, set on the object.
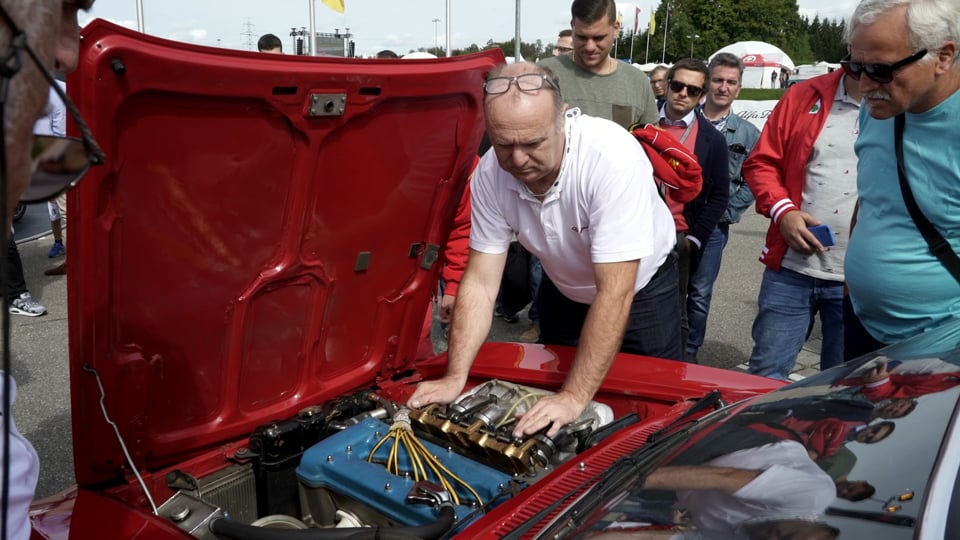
(692, 90)
(59, 162)
(528, 82)
(881, 73)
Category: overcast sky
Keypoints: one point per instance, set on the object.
(375, 24)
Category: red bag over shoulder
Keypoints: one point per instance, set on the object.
(674, 166)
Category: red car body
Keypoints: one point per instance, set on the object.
(263, 238)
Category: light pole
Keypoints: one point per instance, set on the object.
(692, 37)
(436, 43)
(140, 16)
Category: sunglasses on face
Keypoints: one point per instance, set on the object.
(58, 162)
(692, 91)
(881, 73)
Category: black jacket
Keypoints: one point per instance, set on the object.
(704, 212)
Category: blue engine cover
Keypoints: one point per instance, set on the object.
(329, 464)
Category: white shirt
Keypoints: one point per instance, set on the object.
(603, 208)
(791, 486)
(54, 119)
(24, 472)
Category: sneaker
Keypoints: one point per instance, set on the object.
(26, 305)
(531, 335)
(57, 270)
(57, 250)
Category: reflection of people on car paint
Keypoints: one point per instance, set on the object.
(883, 378)
(768, 483)
(824, 438)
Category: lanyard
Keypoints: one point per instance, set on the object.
(683, 138)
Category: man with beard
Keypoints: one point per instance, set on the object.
(593, 81)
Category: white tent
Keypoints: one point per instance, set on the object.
(760, 59)
(647, 68)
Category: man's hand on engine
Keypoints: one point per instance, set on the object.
(555, 411)
(443, 390)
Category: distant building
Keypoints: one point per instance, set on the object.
(325, 44)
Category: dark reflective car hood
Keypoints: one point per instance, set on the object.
(863, 448)
(264, 234)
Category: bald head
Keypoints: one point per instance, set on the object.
(551, 88)
(526, 127)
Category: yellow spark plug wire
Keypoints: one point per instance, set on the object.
(403, 438)
(508, 417)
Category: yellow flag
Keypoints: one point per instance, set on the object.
(336, 5)
(653, 23)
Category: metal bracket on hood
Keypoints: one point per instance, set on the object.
(363, 261)
(430, 255)
(327, 104)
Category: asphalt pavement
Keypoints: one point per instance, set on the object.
(39, 344)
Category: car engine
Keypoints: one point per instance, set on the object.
(365, 461)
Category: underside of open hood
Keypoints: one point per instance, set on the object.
(264, 234)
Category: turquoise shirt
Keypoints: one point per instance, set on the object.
(898, 287)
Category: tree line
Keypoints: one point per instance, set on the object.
(703, 27)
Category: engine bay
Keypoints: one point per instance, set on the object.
(365, 461)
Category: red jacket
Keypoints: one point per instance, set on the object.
(909, 385)
(824, 437)
(776, 169)
(457, 250)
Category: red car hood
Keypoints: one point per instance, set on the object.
(263, 235)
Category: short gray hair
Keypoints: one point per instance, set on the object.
(930, 23)
(725, 59)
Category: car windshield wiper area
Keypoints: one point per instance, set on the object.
(714, 399)
(632, 469)
(629, 470)
(621, 470)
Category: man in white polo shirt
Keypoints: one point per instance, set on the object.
(578, 193)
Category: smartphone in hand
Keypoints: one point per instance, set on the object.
(824, 234)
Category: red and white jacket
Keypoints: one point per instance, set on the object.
(777, 168)
(457, 250)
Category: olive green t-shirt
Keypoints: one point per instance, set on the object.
(624, 96)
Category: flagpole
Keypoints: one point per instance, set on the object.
(517, 55)
(636, 25)
(447, 36)
(646, 56)
(140, 16)
(666, 29)
(313, 28)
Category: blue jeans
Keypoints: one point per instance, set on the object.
(788, 302)
(700, 290)
(536, 277)
(653, 328)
